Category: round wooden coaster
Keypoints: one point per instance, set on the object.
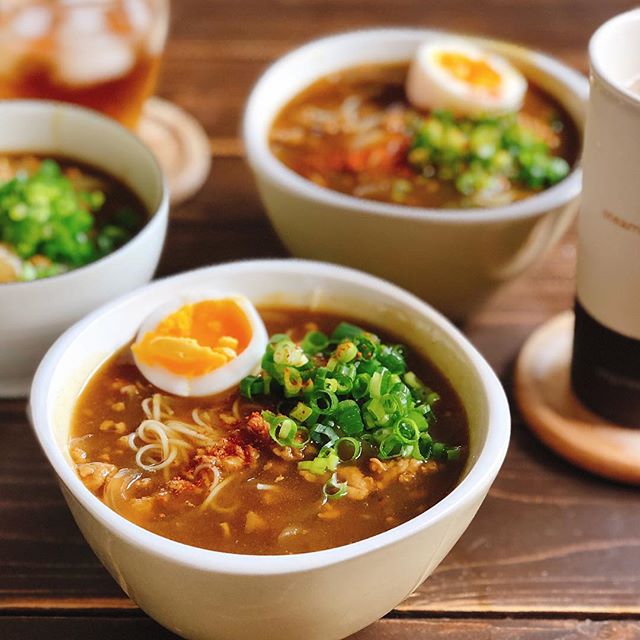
(180, 145)
(543, 393)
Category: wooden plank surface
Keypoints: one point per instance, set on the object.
(549, 541)
(110, 628)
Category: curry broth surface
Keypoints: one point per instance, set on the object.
(305, 144)
(295, 522)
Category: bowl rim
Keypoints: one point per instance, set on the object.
(156, 217)
(473, 486)
(598, 42)
(263, 161)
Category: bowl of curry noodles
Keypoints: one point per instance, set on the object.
(445, 163)
(270, 449)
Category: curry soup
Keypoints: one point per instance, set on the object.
(229, 487)
(355, 132)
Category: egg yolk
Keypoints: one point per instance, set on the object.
(197, 338)
(478, 73)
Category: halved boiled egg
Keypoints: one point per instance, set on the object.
(460, 77)
(198, 346)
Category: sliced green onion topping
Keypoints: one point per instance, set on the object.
(334, 490)
(348, 394)
(323, 401)
(348, 448)
(314, 342)
(301, 412)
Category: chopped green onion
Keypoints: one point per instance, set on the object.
(390, 447)
(453, 453)
(425, 445)
(292, 382)
(356, 391)
(349, 418)
(301, 412)
(334, 490)
(330, 384)
(344, 384)
(353, 447)
(439, 451)
(285, 432)
(324, 402)
(390, 403)
(367, 347)
(375, 409)
(486, 154)
(393, 358)
(288, 353)
(346, 351)
(346, 330)
(321, 431)
(251, 386)
(360, 386)
(406, 430)
(314, 342)
(45, 215)
(419, 390)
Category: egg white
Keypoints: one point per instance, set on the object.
(220, 379)
(429, 86)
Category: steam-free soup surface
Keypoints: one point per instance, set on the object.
(264, 505)
(355, 132)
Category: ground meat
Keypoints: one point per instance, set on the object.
(404, 470)
(180, 486)
(376, 466)
(113, 427)
(78, 455)
(254, 522)
(313, 477)
(288, 453)
(229, 454)
(257, 425)
(359, 486)
(277, 467)
(95, 474)
(329, 511)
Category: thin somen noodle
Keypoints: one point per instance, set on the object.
(211, 501)
(159, 441)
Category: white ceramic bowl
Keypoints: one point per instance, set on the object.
(454, 259)
(33, 314)
(324, 595)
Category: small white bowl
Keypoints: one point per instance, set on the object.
(33, 314)
(452, 258)
(324, 595)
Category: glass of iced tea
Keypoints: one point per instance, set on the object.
(102, 54)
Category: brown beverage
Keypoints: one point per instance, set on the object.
(102, 54)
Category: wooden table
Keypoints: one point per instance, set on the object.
(553, 552)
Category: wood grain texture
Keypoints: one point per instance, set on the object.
(548, 541)
(110, 628)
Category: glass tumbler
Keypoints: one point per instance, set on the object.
(102, 54)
